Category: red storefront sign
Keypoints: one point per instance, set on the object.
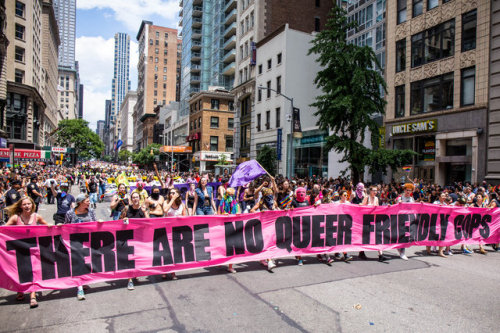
(23, 153)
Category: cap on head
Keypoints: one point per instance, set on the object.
(80, 198)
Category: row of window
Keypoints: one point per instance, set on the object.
(436, 93)
(214, 144)
(417, 8)
(268, 89)
(267, 124)
(247, 24)
(437, 42)
(279, 58)
(214, 123)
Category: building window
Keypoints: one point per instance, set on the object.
(400, 101)
(164, 69)
(418, 7)
(432, 4)
(278, 59)
(317, 24)
(156, 92)
(435, 43)
(268, 120)
(278, 85)
(214, 122)
(157, 34)
(469, 21)
(157, 50)
(229, 143)
(468, 83)
(156, 59)
(164, 78)
(268, 89)
(318, 3)
(278, 117)
(199, 122)
(269, 64)
(259, 95)
(214, 143)
(258, 123)
(19, 54)
(401, 11)
(19, 76)
(400, 55)
(20, 7)
(260, 69)
(432, 94)
(214, 104)
(230, 105)
(380, 37)
(230, 123)
(20, 31)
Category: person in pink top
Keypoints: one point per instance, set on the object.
(23, 213)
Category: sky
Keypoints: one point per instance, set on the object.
(97, 21)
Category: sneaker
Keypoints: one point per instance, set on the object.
(449, 253)
(270, 265)
(403, 256)
(299, 262)
(231, 270)
(130, 285)
(467, 251)
(80, 295)
(348, 257)
(329, 261)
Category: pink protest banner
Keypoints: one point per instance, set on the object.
(38, 257)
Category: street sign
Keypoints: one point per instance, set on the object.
(59, 150)
(278, 144)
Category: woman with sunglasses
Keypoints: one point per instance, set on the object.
(372, 200)
(23, 213)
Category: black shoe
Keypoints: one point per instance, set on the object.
(382, 258)
(362, 255)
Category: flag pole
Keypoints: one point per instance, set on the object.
(264, 169)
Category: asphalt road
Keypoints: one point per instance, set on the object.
(424, 294)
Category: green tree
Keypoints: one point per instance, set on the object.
(76, 133)
(267, 158)
(124, 155)
(144, 157)
(351, 98)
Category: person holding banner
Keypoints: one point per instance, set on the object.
(203, 199)
(229, 205)
(174, 205)
(248, 198)
(372, 200)
(155, 203)
(119, 202)
(23, 213)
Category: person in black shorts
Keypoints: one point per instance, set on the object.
(34, 192)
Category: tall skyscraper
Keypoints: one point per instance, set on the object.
(208, 52)
(121, 81)
(65, 11)
(157, 77)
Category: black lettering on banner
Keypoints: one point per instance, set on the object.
(23, 257)
(485, 230)
(162, 256)
(317, 231)
(432, 228)
(457, 222)
(466, 229)
(283, 227)
(330, 230)
(182, 239)
(253, 236)
(78, 254)
(52, 254)
(476, 221)
(444, 225)
(123, 250)
(344, 234)
(102, 244)
(382, 229)
(201, 243)
(394, 228)
(414, 220)
(403, 228)
(301, 231)
(423, 227)
(234, 238)
(368, 227)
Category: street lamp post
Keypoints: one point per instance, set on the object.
(290, 146)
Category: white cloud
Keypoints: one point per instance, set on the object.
(95, 56)
(132, 12)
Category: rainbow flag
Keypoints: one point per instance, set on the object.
(407, 168)
(286, 201)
